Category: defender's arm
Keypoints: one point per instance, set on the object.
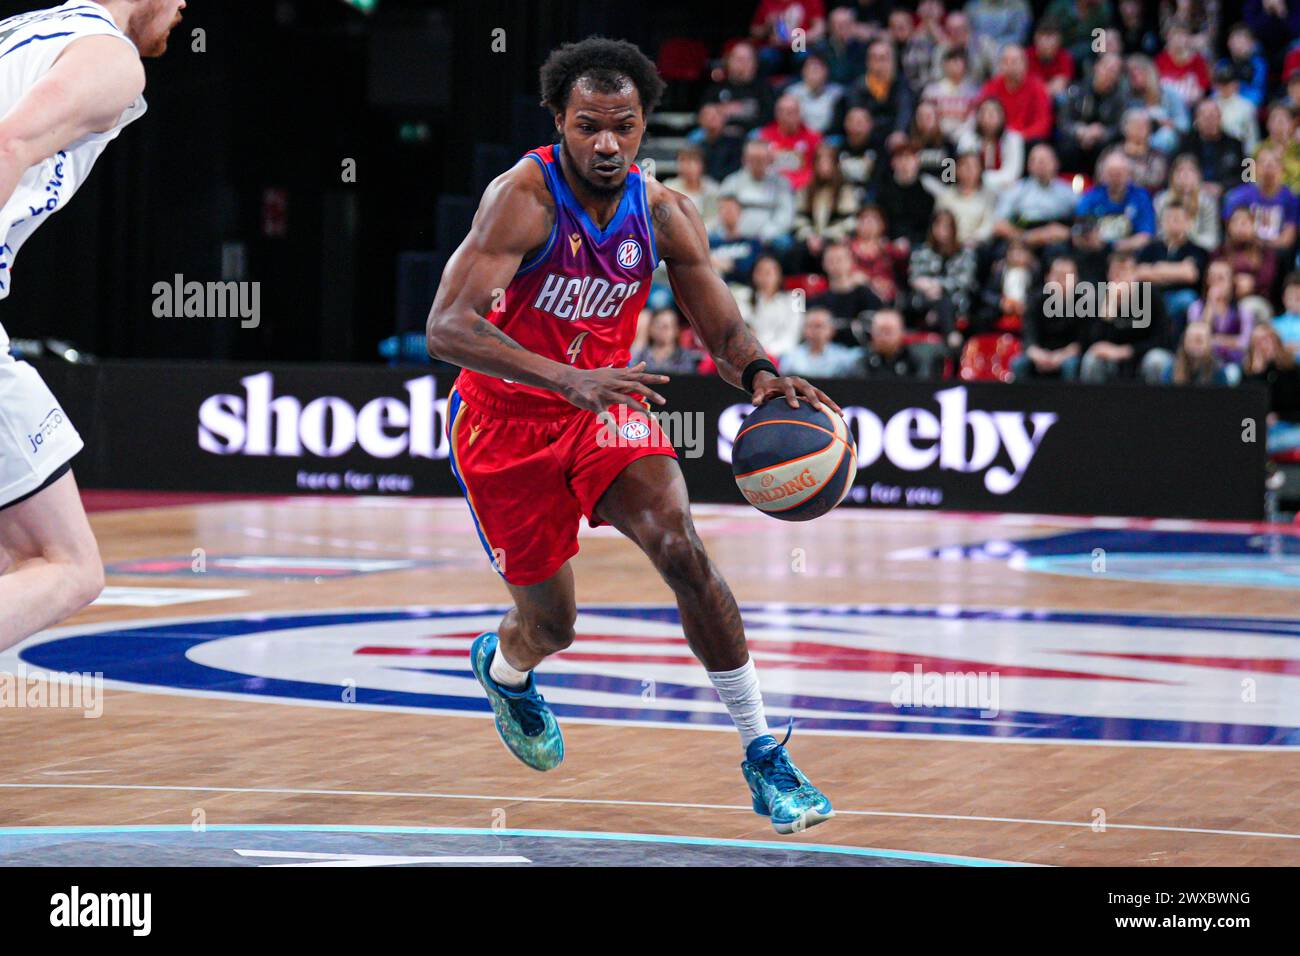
(87, 90)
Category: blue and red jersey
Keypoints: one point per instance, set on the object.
(577, 300)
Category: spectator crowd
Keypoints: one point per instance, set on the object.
(1084, 190)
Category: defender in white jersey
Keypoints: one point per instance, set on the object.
(70, 80)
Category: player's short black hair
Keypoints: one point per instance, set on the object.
(606, 63)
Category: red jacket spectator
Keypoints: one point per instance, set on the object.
(1060, 66)
(1028, 107)
(800, 14)
(793, 143)
(1190, 79)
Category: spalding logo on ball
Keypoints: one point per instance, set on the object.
(795, 464)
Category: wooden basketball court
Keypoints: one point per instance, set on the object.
(1148, 710)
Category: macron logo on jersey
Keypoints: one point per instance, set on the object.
(582, 297)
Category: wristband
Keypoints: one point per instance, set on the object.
(751, 372)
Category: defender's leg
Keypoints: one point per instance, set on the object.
(53, 563)
(647, 502)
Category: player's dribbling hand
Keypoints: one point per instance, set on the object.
(768, 386)
(598, 388)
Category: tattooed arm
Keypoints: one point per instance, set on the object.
(708, 305)
(515, 218)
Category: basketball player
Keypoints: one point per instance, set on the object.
(70, 80)
(539, 307)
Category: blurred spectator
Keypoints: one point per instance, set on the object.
(941, 273)
(875, 255)
(663, 352)
(1217, 307)
(921, 60)
(904, 201)
(888, 356)
(1004, 22)
(827, 207)
(843, 50)
(1051, 332)
(745, 98)
(1137, 27)
(817, 356)
(776, 21)
(1090, 114)
(1270, 202)
(692, 183)
(1038, 208)
(1237, 112)
(1181, 68)
(1272, 365)
(1049, 61)
(721, 147)
(953, 94)
(793, 143)
(979, 63)
(882, 91)
(1023, 97)
(1173, 263)
(912, 58)
(1254, 264)
(1078, 20)
(768, 309)
(1002, 150)
(1006, 291)
(1291, 99)
(1167, 111)
(818, 96)
(1195, 363)
(1288, 322)
(1218, 153)
(969, 201)
(732, 253)
(847, 293)
(1274, 23)
(1126, 218)
(765, 196)
(860, 153)
(1149, 166)
(1185, 188)
(933, 149)
(1129, 336)
(1282, 137)
(1243, 54)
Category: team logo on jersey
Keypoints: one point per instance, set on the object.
(629, 253)
(575, 242)
(635, 430)
(848, 669)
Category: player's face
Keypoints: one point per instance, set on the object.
(152, 22)
(601, 134)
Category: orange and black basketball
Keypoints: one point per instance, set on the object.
(795, 464)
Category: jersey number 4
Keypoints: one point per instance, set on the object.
(575, 347)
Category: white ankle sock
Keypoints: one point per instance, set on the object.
(504, 674)
(744, 701)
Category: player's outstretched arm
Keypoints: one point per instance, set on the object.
(708, 304)
(512, 220)
(87, 90)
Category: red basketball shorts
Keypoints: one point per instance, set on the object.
(529, 482)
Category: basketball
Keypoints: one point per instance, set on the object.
(795, 464)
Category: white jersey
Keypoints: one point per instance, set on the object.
(29, 45)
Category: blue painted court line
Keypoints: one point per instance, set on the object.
(549, 834)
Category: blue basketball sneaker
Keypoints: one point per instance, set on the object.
(780, 789)
(523, 718)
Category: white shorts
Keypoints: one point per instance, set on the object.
(36, 437)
